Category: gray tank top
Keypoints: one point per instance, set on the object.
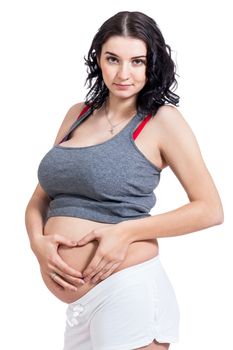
(109, 182)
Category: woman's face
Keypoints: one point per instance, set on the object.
(123, 65)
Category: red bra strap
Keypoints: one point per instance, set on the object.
(84, 110)
(141, 126)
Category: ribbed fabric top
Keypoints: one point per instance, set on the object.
(108, 182)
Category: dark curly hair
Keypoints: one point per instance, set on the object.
(160, 70)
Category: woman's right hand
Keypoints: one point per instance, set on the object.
(45, 247)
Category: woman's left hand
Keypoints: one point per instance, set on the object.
(111, 252)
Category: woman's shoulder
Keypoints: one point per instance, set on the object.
(70, 117)
(170, 118)
(167, 111)
(74, 111)
(170, 126)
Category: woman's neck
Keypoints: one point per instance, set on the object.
(120, 108)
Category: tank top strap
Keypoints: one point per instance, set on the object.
(141, 126)
(85, 112)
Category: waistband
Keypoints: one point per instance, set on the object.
(106, 211)
(117, 276)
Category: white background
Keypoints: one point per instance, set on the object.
(42, 75)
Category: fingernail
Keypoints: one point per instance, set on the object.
(74, 243)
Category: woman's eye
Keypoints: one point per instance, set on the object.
(138, 62)
(111, 59)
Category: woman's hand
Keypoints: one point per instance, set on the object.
(111, 252)
(46, 250)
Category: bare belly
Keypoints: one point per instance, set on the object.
(80, 257)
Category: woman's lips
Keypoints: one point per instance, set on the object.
(122, 86)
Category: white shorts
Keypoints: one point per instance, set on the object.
(127, 310)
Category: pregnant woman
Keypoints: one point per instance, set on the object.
(89, 220)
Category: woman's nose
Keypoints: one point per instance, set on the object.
(123, 72)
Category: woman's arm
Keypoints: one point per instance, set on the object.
(181, 152)
(45, 247)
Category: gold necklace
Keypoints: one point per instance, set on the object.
(110, 123)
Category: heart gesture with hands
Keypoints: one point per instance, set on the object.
(46, 250)
(111, 252)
